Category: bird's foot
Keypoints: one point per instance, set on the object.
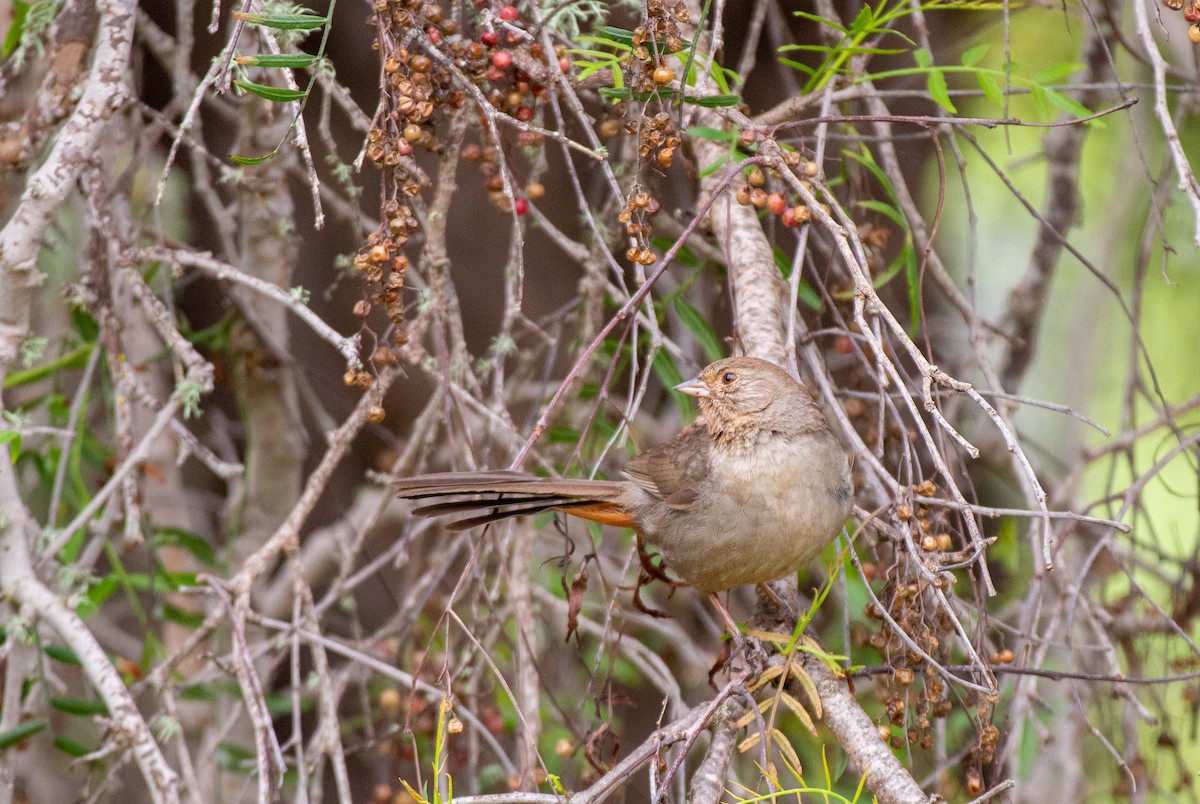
(740, 654)
(654, 571)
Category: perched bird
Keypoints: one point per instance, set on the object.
(748, 495)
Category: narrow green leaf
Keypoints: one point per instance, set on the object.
(13, 438)
(70, 747)
(20, 732)
(1040, 97)
(863, 21)
(700, 328)
(282, 22)
(273, 94)
(795, 65)
(1056, 73)
(668, 374)
(194, 544)
(623, 36)
(922, 57)
(79, 706)
(297, 60)
(615, 94)
(75, 359)
(848, 51)
(936, 84)
(974, 55)
(991, 89)
(61, 653)
(1068, 104)
(714, 101)
(804, 15)
(20, 10)
(886, 210)
(704, 132)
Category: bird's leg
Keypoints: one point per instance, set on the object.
(654, 571)
(780, 604)
(642, 580)
(726, 618)
(748, 647)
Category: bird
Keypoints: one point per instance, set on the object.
(750, 492)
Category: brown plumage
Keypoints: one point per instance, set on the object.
(749, 495)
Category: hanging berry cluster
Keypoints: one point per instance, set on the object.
(657, 36)
(426, 65)
(657, 137)
(1191, 15)
(639, 208)
(791, 211)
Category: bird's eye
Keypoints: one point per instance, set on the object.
(728, 377)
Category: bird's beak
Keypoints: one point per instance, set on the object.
(694, 387)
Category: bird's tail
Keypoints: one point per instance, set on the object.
(505, 494)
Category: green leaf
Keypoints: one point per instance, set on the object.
(188, 619)
(1068, 104)
(1056, 73)
(273, 94)
(668, 374)
(297, 60)
(1040, 97)
(70, 747)
(795, 65)
(922, 57)
(714, 101)
(20, 10)
(615, 94)
(20, 732)
(700, 328)
(706, 133)
(96, 595)
(863, 21)
(623, 36)
(804, 15)
(847, 50)
(14, 438)
(936, 84)
(61, 653)
(974, 55)
(886, 210)
(252, 160)
(991, 89)
(79, 706)
(75, 359)
(282, 22)
(201, 550)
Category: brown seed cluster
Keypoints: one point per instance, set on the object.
(655, 39)
(639, 207)
(657, 137)
(422, 56)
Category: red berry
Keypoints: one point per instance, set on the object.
(509, 14)
(489, 38)
(776, 204)
(494, 73)
(501, 59)
(520, 206)
(788, 217)
(434, 34)
(564, 64)
(843, 344)
(524, 113)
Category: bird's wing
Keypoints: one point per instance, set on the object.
(674, 471)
